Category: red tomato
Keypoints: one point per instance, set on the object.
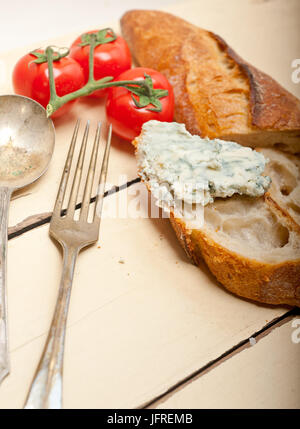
(31, 79)
(110, 59)
(125, 117)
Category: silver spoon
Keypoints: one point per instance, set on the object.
(26, 146)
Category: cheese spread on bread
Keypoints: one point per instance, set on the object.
(178, 166)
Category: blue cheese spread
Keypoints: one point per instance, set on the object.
(178, 166)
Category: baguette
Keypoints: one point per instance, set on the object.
(251, 245)
(217, 93)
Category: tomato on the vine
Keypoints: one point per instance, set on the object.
(31, 79)
(110, 59)
(126, 118)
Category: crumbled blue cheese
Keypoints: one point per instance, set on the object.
(178, 166)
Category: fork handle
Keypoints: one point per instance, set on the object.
(46, 388)
(5, 194)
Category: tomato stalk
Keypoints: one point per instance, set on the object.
(143, 89)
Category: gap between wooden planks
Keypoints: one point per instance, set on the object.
(40, 219)
(233, 351)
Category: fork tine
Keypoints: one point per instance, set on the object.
(78, 173)
(90, 177)
(102, 179)
(66, 172)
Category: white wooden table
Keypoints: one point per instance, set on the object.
(155, 330)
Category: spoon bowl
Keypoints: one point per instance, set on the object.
(26, 145)
(26, 141)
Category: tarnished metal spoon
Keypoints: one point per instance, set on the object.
(26, 146)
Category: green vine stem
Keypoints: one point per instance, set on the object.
(141, 88)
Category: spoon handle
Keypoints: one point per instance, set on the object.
(5, 194)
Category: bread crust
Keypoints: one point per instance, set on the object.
(272, 106)
(217, 93)
(267, 283)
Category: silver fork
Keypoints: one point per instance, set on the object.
(46, 388)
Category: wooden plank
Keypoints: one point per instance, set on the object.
(265, 375)
(135, 328)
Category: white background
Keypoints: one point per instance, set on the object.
(24, 22)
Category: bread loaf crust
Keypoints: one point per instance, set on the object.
(271, 106)
(217, 93)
